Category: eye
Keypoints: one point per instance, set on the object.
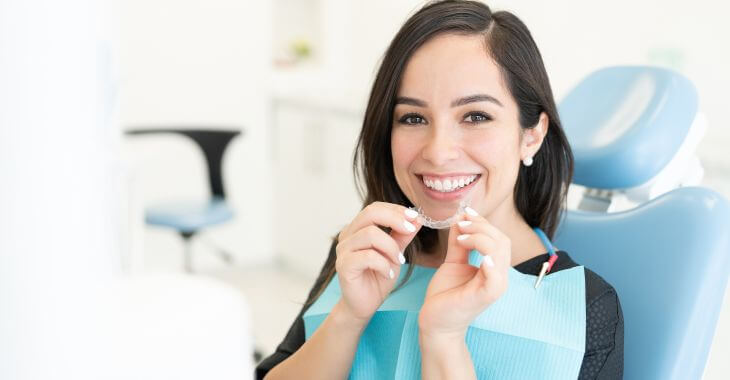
(477, 117)
(412, 118)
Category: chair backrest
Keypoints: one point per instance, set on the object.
(213, 144)
(668, 258)
(669, 261)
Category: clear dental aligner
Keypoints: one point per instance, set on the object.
(440, 224)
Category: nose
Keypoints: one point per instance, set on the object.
(441, 146)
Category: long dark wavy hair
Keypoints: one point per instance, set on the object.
(541, 190)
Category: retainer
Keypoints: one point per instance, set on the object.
(441, 224)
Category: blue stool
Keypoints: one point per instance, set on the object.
(188, 218)
(667, 250)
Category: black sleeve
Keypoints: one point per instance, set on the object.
(295, 336)
(604, 355)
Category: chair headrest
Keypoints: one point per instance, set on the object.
(625, 124)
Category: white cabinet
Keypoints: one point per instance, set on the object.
(315, 194)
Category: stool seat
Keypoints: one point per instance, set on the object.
(189, 216)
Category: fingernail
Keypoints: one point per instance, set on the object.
(462, 237)
(464, 223)
(470, 211)
(391, 274)
(401, 258)
(409, 226)
(488, 261)
(411, 214)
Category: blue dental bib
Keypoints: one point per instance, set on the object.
(527, 333)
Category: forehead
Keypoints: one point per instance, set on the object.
(451, 66)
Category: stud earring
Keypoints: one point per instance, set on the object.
(527, 161)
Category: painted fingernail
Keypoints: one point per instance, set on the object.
(391, 274)
(488, 261)
(401, 258)
(409, 226)
(464, 223)
(411, 214)
(462, 237)
(470, 211)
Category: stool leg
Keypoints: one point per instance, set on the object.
(226, 256)
(188, 252)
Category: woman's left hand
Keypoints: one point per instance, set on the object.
(458, 292)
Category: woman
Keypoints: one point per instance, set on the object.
(461, 110)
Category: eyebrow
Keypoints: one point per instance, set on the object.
(458, 102)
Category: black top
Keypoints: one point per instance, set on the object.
(604, 352)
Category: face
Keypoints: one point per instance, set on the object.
(456, 132)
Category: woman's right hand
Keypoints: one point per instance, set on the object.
(369, 259)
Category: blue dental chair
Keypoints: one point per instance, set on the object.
(662, 242)
(188, 218)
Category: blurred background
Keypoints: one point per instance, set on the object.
(77, 78)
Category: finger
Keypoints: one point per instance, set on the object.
(456, 253)
(489, 283)
(402, 240)
(367, 259)
(481, 242)
(485, 245)
(480, 223)
(372, 237)
(385, 214)
(480, 226)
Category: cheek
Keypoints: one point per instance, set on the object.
(499, 155)
(490, 153)
(402, 152)
(405, 152)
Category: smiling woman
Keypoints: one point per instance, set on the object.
(461, 110)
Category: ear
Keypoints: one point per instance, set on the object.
(532, 137)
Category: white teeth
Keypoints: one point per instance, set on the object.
(449, 185)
